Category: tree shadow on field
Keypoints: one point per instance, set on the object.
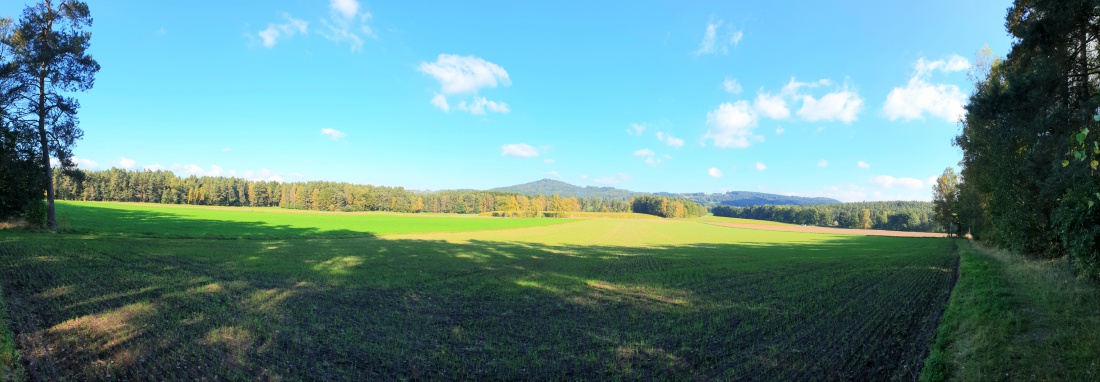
(392, 308)
(91, 219)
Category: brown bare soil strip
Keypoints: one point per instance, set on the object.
(839, 231)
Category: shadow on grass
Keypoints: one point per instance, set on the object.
(373, 308)
(92, 219)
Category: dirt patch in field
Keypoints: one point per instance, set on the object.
(840, 231)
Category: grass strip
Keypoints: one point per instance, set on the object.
(1010, 318)
(11, 368)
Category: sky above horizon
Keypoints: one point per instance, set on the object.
(854, 101)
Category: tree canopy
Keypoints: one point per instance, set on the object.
(1030, 181)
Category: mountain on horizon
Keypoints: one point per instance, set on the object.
(566, 190)
(732, 198)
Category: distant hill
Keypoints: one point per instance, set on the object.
(732, 198)
(749, 198)
(565, 190)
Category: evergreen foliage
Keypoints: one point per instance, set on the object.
(894, 216)
(1030, 180)
(668, 207)
(165, 187)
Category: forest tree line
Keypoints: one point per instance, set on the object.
(118, 185)
(43, 62)
(1029, 181)
(894, 216)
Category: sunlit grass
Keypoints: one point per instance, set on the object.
(1011, 318)
(722, 219)
(156, 220)
(592, 299)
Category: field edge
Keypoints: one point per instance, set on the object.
(1013, 318)
(11, 362)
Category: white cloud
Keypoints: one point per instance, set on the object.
(760, 166)
(153, 167)
(84, 162)
(636, 129)
(823, 163)
(771, 106)
(480, 104)
(714, 172)
(347, 24)
(863, 164)
(731, 85)
(842, 105)
(919, 96)
(841, 192)
(193, 169)
(731, 125)
(519, 150)
(554, 174)
(779, 130)
(955, 63)
(275, 32)
(612, 179)
(226, 149)
(214, 171)
(547, 160)
(440, 101)
(464, 74)
(332, 133)
(886, 181)
(126, 163)
(650, 156)
(717, 39)
(346, 8)
(670, 140)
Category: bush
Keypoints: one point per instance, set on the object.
(35, 213)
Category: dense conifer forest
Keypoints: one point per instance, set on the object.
(165, 187)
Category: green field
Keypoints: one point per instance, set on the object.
(589, 299)
(185, 221)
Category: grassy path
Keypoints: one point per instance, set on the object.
(1016, 319)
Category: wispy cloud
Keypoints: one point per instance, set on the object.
(670, 140)
(718, 38)
(730, 85)
(332, 134)
(480, 105)
(347, 24)
(518, 150)
(636, 129)
(886, 181)
(612, 179)
(714, 172)
(760, 166)
(275, 32)
(127, 163)
(863, 164)
(823, 163)
(650, 156)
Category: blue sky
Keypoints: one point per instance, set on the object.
(856, 101)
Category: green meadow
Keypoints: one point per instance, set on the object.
(588, 299)
(187, 221)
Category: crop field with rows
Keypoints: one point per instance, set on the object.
(591, 299)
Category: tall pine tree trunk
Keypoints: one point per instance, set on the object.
(51, 218)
